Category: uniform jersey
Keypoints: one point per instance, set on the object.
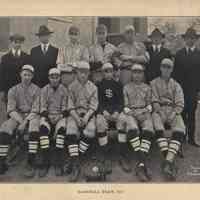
(54, 101)
(23, 99)
(101, 54)
(135, 49)
(82, 96)
(110, 95)
(137, 96)
(168, 94)
(71, 54)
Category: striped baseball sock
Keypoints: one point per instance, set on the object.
(84, 144)
(5, 140)
(72, 145)
(162, 142)
(134, 140)
(32, 147)
(174, 146)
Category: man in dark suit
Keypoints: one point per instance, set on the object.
(43, 56)
(11, 64)
(186, 72)
(157, 53)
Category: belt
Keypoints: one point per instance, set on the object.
(166, 104)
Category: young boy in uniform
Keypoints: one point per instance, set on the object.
(67, 74)
(82, 104)
(23, 113)
(102, 50)
(53, 111)
(110, 96)
(137, 113)
(73, 51)
(67, 77)
(168, 103)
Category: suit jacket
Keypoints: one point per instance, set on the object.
(153, 68)
(42, 63)
(10, 70)
(187, 71)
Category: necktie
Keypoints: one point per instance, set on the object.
(45, 49)
(156, 49)
(189, 51)
(16, 54)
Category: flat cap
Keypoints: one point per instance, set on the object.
(54, 71)
(107, 66)
(83, 65)
(137, 67)
(167, 61)
(65, 68)
(28, 67)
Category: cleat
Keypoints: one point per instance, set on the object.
(43, 171)
(169, 171)
(142, 173)
(125, 164)
(29, 171)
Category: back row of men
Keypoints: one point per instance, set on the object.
(45, 56)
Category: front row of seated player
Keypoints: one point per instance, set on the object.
(78, 113)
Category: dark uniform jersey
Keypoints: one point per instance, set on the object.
(110, 95)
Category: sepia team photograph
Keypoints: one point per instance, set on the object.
(99, 99)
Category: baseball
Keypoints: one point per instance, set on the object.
(95, 169)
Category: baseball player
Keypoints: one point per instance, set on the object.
(82, 104)
(132, 52)
(73, 51)
(102, 50)
(168, 103)
(23, 112)
(53, 111)
(67, 74)
(137, 113)
(110, 96)
(67, 77)
(96, 72)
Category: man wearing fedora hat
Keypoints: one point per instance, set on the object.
(11, 64)
(43, 56)
(186, 72)
(157, 53)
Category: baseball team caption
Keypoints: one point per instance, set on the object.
(101, 191)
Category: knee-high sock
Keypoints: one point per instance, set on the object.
(44, 145)
(32, 147)
(84, 144)
(122, 140)
(72, 142)
(5, 140)
(145, 145)
(174, 145)
(134, 140)
(162, 142)
(59, 146)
